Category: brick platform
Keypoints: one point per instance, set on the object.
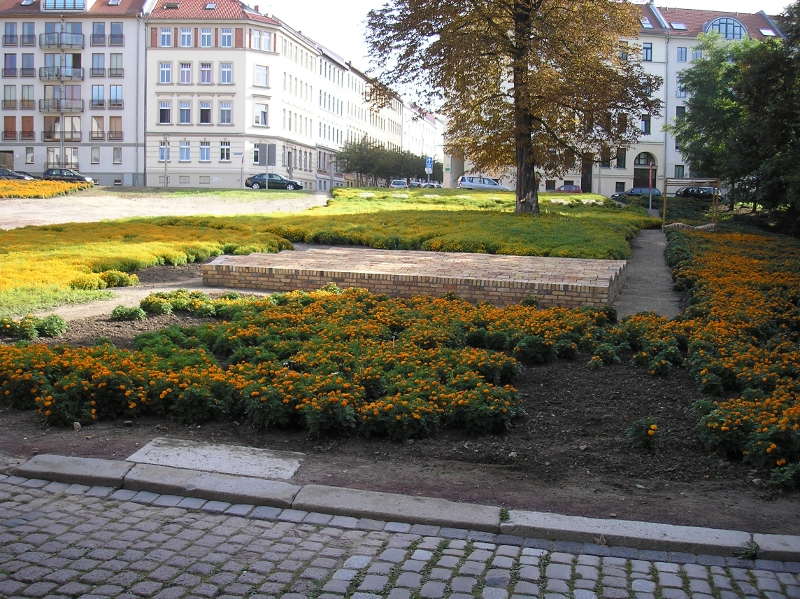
(475, 277)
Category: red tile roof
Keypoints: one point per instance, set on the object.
(196, 9)
(696, 21)
(14, 8)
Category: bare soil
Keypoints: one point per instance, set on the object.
(569, 454)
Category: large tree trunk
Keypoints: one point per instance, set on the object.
(527, 186)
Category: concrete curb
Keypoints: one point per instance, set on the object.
(354, 503)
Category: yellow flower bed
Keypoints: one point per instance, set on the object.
(17, 188)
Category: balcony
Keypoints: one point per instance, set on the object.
(9, 104)
(27, 104)
(60, 105)
(97, 104)
(71, 164)
(60, 73)
(27, 135)
(27, 40)
(9, 135)
(27, 72)
(115, 104)
(59, 135)
(98, 135)
(61, 40)
(95, 72)
(116, 39)
(115, 72)
(115, 136)
(97, 39)
(10, 40)
(10, 72)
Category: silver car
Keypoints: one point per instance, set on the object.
(480, 183)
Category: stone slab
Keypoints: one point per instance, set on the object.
(392, 507)
(778, 547)
(225, 459)
(625, 533)
(74, 470)
(166, 480)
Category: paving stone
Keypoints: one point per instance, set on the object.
(672, 593)
(432, 590)
(336, 586)
(357, 562)
(526, 588)
(643, 586)
(529, 573)
(584, 594)
(494, 593)
(399, 594)
(393, 555)
(397, 527)
(414, 565)
(670, 580)
(554, 585)
(373, 582)
(558, 571)
(614, 593)
(410, 580)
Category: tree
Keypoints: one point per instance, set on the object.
(369, 160)
(535, 84)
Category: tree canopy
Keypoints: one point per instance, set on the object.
(534, 84)
(742, 121)
(372, 162)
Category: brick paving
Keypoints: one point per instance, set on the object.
(60, 541)
(476, 277)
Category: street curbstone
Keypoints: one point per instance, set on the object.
(778, 547)
(74, 470)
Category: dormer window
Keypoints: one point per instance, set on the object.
(64, 5)
(729, 28)
(646, 23)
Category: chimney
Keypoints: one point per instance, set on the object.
(255, 8)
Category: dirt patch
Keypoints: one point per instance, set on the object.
(569, 454)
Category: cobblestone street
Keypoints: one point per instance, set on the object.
(59, 540)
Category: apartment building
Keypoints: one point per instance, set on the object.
(73, 83)
(667, 44)
(332, 122)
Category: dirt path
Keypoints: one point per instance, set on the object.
(97, 204)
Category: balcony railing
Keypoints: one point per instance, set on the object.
(27, 104)
(98, 135)
(61, 73)
(9, 104)
(96, 72)
(115, 136)
(115, 72)
(27, 135)
(116, 39)
(10, 72)
(66, 163)
(27, 40)
(97, 104)
(97, 39)
(115, 104)
(59, 135)
(9, 135)
(27, 72)
(61, 40)
(60, 105)
(10, 40)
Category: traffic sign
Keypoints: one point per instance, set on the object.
(428, 163)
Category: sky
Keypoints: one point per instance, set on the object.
(339, 26)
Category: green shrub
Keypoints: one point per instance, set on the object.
(117, 278)
(154, 304)
(643, 433)
(534, 349)
(124, 313)
(51, 326)
(88, 282)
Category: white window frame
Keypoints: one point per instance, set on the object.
(206, 73)
(187, 107)
(205, 151)
(165, 72)
(164, 105)
(116, 155)
(165, 41)
(225, 113)
(226, 73)
(261, 76)
(185, 72)
(205, 106)
(224, 151)
(206, 38)
(185, 151)
(186, 37)
(163, 149)
(682, 54)
(261, 117)
(226, 38)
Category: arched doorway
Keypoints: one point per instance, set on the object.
(641, 170)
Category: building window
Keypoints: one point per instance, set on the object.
(164, 110)
(255, 153)
(645, 124)
(647, 52)
(697, 54)
(623, 55)
(28, 69)
(98, 65)
(730, 29)
(682, 54)
(226, 38)
(185, 113)
(549, 184)
(605, 158)
(680, 113)
(115, 96)
(186, 72)
(116, 38)
(186, 37)
(205, 151)
(205, 38)
(29, 155)
(261, 76)
(680, 172)
(115, 128)
(679, 91)
(163, 151)
(226, 73)
(166, 37)
(225, 151)
(95, 155)
(115, 66)
(619, 186)
(205, 72)
(205, 113)
(185, 154)
(266, 41)
(165, 72)
(255, 40)
(622, 158)
(261, 115)
(98, 96)
(116, 154)
(224, 113)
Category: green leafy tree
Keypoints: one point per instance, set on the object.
(526, 83)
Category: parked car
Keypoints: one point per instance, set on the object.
(271, 181)
(635, 192)
(569, 189)
(398, 184)
(26, 174)
(433, 185)
(416, 184)
(703, 193)
(480, 183)
(7, 173)
(66, 174)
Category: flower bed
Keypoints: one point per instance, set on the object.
(330, 361)
(18, 188)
